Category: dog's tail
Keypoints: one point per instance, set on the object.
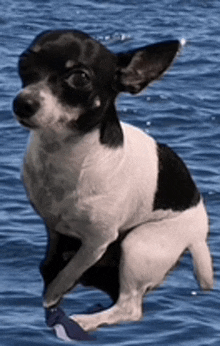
(203, 264)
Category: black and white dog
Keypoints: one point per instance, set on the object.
(120, 209)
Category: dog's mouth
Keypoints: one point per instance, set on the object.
(27, 123)
(62, 123)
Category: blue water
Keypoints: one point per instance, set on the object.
(181, 110)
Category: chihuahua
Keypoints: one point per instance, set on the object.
(119, 208)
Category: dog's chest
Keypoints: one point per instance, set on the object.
(64, 193)
(48, 181)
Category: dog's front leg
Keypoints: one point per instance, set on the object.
(89, 253)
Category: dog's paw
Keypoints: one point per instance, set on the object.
(65, 328)
(61, 285)
(51, 300)
(54, 293)
(87, 322)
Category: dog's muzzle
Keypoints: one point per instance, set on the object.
(25, 105)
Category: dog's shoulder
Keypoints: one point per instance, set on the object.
(139, 141)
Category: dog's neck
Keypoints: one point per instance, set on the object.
(82, 149)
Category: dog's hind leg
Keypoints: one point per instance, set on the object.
(203, 264)
(129, 304)
(200, 250)
(147, 254)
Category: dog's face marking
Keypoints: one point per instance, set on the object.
(69, 64)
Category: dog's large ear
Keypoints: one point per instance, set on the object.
(137, 68)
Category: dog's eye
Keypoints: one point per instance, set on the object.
(78, 79)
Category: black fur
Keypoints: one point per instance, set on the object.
(175, 188)
(66, 248)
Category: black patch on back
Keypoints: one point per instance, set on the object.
(175, 188)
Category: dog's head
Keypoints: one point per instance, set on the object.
(70, 82)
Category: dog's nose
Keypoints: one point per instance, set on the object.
(25, 105)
